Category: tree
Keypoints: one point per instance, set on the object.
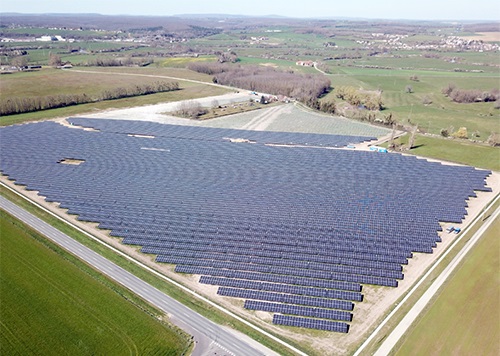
(426, 100)
(392, 142)
(411, 141)
(409, 89)
(190, 109)
(20, 62)
(444, 132)
(461, 133)
(215, 104)
(328, 106)
(54, 60)
(494, 139)
(447, 90)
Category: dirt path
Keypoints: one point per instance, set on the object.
(154, 76)
(157, 112)
(266, 118)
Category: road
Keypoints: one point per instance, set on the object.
(211, 339)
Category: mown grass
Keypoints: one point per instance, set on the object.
(187, 299)
(53, 304)
(49, 81)
(464, 318)
(156, 69)
(183, 62)
(456, 150)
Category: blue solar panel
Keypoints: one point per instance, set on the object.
(310, 323)
(286, 223)
(298, 310)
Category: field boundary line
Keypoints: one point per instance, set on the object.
(157, 76)
(158, 274)
(426, 276)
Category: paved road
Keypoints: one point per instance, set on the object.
(419, 306)
(211, 339)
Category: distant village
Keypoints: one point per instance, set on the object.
(377, 41)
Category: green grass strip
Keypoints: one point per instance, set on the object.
(54, 304)
(463, 319)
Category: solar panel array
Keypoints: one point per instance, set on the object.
(294, 231)
(217, 134)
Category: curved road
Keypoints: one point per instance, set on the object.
(211, 338)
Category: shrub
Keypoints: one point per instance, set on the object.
(461, 133)
(444, 132)
(494, 139)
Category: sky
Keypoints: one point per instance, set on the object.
(382, 9)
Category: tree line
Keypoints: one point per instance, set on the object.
(368, 100)
(305, 88)
(19, 105)
(470, 95)
(117, 62)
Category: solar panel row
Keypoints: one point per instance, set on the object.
(283, 288)
(297, 259)
(298, 310)
(310, 323)
(286, 298)
(269, 277)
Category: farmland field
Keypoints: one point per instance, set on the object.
(463, 320)
(56, 82)
(441, 112)
(53, 304)
(53, 82)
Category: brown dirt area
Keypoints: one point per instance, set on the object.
(378, 301)
(485, 36)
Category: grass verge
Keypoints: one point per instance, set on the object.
(53, 303)
(458, 151)
(463, 318)
(387, 329)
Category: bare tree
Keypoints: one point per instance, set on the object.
(494, 139)
(54, 60)
(411, 141)
(190, 109)
(20, 62)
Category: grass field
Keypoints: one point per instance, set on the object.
(441, 112)
(464, 319)
(53, 304)
(458, 151)
(54, 81)
(59, 82)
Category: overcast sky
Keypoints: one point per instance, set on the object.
(383, 9)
